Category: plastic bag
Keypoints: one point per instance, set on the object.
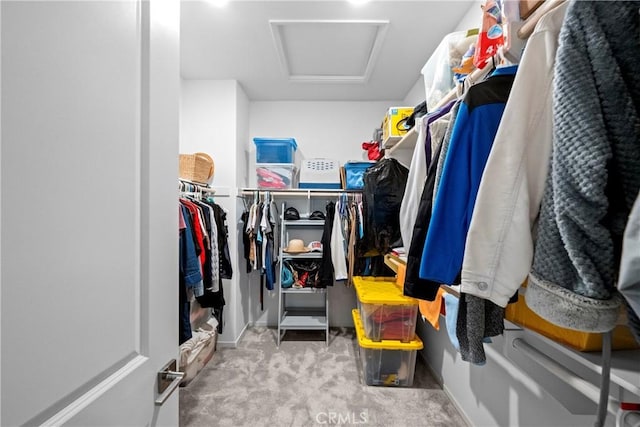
(384, 185)
(491, 35)
(438, 72)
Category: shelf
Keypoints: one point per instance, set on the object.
(303, 290)
(407, 141)
(304, 222)
(394, 262)
(293, 317)
(309, 255)
(303, 320)
(391, 141)
(625, 370)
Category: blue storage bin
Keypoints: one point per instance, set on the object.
(354, 173)
(275, 150)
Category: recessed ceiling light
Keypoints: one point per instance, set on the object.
(218, 3)
(358, 2)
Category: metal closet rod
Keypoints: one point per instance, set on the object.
(202, 188)
(299, 192)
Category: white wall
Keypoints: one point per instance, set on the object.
(212, 117)
(208, 124)
(472, 19)
(334, 130)
(243, 146)
(243, 300)
(417, 93)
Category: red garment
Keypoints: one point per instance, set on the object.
(396, 330)
(197, 227)
(387, 314)
(181, 223)
(373, 150)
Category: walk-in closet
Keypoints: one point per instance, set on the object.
(320, 212)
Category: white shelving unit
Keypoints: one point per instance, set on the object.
(407, 141)
(300, 318)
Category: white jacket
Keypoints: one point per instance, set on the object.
(499, 245)
(629, 279)
(414, 187)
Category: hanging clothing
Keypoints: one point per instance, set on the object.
(595, 167)
(326, 265)
(260, 240)
(210, 272)
(451, 304)
(215, 252)
(473, 134)
(220, 215)
(384, 185)
(417, 175)
(430, 310)
(197, 229)
(438, 129)
(351, 251)
(189, 258)
(414, 286)
(499, 245)
(245, 241)
(269, 231)
(205, 230)
(446, 141)
(629, 279)
(478, 320)
(188, 274)
(338, 255)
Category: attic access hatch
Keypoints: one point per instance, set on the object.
(328, 51)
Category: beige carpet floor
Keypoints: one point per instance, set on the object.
(306, 383)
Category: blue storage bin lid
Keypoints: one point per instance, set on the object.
(290, 141)
(358, 165)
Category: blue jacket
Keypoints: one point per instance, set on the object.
(189, 264)
(473, 133)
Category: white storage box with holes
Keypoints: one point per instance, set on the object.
(320, 173)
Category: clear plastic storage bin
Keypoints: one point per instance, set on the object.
(273, 176)
(385, 312)
(386, 363)
(275, 150)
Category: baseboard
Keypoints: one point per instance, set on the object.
(233, 344)
(461, 411)
(453, 400)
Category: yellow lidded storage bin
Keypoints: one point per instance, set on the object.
(520, 314)
(385, 312)
(386, 363)
(393, 127)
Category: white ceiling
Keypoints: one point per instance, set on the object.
(315, 49)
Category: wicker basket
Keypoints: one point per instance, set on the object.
(196, 167)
